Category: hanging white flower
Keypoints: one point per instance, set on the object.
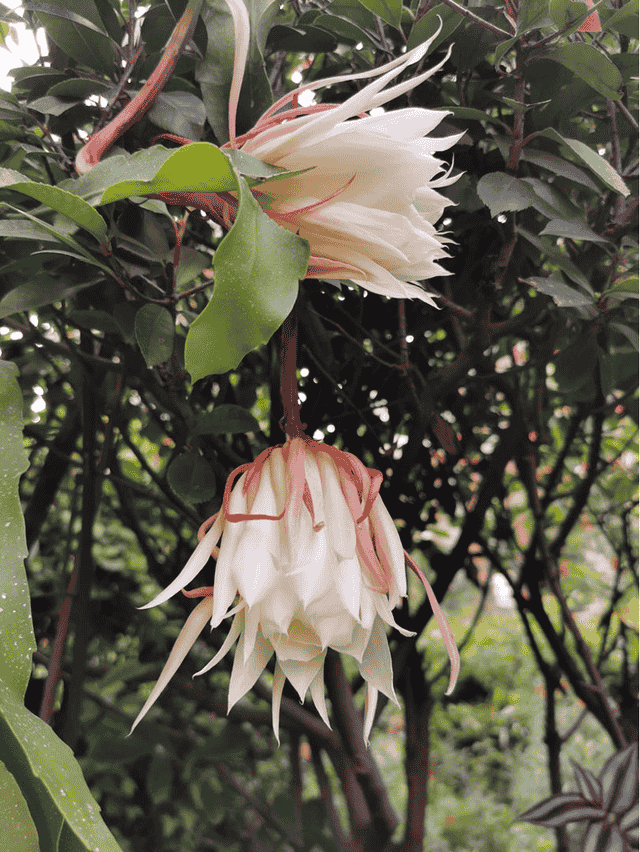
(309, 559)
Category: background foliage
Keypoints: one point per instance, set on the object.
(505, 425)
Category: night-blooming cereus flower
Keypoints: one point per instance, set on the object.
(309, 559)
(368, 204)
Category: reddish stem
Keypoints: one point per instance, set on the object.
(100, 142)
(49, 695)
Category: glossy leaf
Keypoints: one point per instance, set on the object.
(51, 781)
(192, 477)
(257, 268)
(598, 165)
(17, 830)
(624, 20)
(38, 292)
(572, 229)
(532, 14)
(619, 779)
(502, 192)
(70, 205)
(17, 641)
(592, 66)
(429, 23)
(200, 167)
(179, 112)
(155, 330)
(388, 10)
(226, 419)
(602, 837)
(76, 27)
(562, 295)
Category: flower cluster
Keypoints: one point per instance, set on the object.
(308, 559)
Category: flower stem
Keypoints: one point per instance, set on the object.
(100, 142)
(290, 423)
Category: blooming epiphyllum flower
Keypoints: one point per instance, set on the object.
(309, 559)
(368, 203)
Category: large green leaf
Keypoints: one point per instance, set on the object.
(562, 295)
(257, 269)
(17, 830)
(40, 291)
(388, 10)
(70, 205)
(17, 641)
(199, 167)
(592, 66)
(598, 165)
(155, 330)
(192, 477)
(502, 193)
(65, 813)
(77, 28)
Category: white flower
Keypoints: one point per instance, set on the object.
(309, 559)
(368, 203)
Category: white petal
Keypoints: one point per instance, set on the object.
(340, 524)
(317, 694)
(276, 698)
(383, 608)
(237, 625)
(370, 706)
(279, 606)
(348, 580)
(245, 674)
(300, 644)
(388, 541)
(195, 564)
(312, 475)
(253, 565)
(376, 667)
(251, 624)
(193, 626)
(302, 673)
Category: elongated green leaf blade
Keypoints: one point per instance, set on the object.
(155, 330)
(17, 641)
(70, 205)
(257, 268)
(598, 165)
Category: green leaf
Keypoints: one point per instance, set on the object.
(388, 10)
(429, 23)
(141, 166)
(628, 284)
(17, 830)
(79, 88)
(592, 66)
(532, 15)
(17, 642)
(503, 193)
(257, 268)
(70, 205)
(179, 112)
(192, 478)
(199, 167)
(557, 256)
(191, 265)
(41, 291)
(20, 230)
(556, 165)
(76, 27)
(226, 419)
(562, 295)
(96, 320)
(572, 229)
(155, 330)
(630, 333)
(598, 165)
(66, 815)
(624, 20)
